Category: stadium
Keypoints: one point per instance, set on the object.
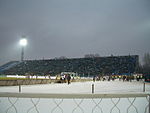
(74, 56)
(111, 65)
(107, 96)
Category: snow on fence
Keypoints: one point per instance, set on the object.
(74, 103)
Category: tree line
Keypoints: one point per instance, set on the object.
(145, 67)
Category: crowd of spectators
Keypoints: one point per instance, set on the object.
(87, 66)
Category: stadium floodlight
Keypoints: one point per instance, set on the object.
(23, 43)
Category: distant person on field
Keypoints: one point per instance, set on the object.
(124, 78)
(94, 78)
(68, 79)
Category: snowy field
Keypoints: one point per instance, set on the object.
(81, 87)
(75, 105)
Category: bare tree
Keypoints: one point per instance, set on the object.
(146, 65)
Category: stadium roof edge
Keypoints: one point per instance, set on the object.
(82, 58)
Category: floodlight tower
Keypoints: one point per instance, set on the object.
(23, 43)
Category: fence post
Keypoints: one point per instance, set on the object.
(19, 88)
(143, 86)
(92, 88)
(149, 103)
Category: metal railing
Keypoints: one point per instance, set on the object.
(74, 103)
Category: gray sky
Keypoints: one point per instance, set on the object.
(73, 28)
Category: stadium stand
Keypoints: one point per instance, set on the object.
(8, 65)
(86, 66)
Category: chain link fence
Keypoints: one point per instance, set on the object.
(74, 103)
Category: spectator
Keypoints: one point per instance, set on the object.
(94, 78)
(68, 79)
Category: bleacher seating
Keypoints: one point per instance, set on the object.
(86, 66)
(8, 65)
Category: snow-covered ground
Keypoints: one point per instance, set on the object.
(100, 105)
(81, 87)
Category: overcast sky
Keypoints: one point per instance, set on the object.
(73, 28)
